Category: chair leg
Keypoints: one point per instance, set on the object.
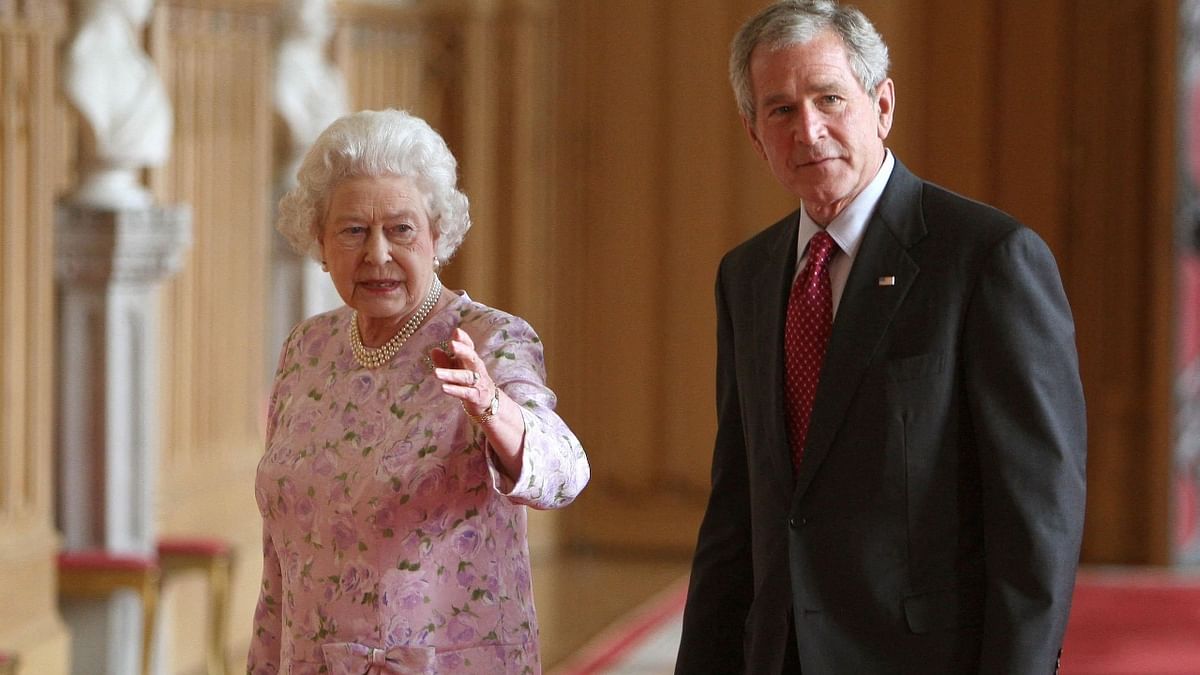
(218, 608)
(149, 593)
(214, 558)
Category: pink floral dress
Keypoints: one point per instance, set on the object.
(391, 542)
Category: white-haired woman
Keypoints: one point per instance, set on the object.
(407, 432)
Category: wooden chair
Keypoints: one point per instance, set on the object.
(214, 558)
(99, 574)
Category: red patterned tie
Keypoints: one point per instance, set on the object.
(806, 333)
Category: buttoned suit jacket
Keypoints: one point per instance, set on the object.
(934, 525)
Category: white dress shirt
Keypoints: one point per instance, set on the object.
(846, 229)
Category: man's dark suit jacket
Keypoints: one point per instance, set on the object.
(935, 523)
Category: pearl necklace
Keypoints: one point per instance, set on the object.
(374, 358)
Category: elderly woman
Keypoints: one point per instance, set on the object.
(407, 432)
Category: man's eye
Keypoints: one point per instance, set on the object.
(781, 110)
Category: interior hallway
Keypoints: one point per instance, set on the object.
(602, 211)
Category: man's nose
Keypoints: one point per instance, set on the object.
(378, 251)
(810, 126)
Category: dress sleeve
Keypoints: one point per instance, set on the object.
(554, 468)
(264, 656)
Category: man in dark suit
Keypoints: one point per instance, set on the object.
(898, 473)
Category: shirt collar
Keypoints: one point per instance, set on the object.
(848, 227)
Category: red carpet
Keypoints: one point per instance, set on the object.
(1123, 622)
(643, 642)
(1134, 623)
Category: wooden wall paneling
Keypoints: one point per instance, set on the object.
(30, 625)
(568, 356)
(443, 81)
(1164, 313)
(697, 214)
(524, 169)
(527, 154)
(216, 59)
(525, 151)
(1119, 243)
(477, 267)
(623, 215)
(39, 290)
(176, 401)
(959, 94)
(15, 205)
(380, 51)
(1157, 136)
(1029, 144)
(218, 65)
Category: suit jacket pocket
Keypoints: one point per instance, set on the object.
(946, 609)
(914, 367)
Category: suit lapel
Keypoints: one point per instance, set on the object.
(770, 292)
(865, 311)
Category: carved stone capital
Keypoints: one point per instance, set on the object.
(96, 246)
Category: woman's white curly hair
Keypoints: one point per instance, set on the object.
(376, 143)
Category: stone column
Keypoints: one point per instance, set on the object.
(114, 249)
(110, 267)
(310, 93)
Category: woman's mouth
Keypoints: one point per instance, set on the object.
(380, 285)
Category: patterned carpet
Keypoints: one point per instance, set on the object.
(1123, 622)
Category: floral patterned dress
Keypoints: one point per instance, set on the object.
(391, 542)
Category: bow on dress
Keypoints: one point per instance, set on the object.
(351, 658)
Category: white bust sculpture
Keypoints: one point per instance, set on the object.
(310, 92)
(117, 90)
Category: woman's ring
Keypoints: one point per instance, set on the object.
(474, 378)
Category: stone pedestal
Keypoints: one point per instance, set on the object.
(110, 265)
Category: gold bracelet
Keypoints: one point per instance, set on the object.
(487, 415)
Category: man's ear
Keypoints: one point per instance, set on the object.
(748, 125)
(885, 106)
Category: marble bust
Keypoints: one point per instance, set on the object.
(310, 92)
(116, 88)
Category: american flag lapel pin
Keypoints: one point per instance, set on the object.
(887, 281)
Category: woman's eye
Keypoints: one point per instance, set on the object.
(351, 235)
